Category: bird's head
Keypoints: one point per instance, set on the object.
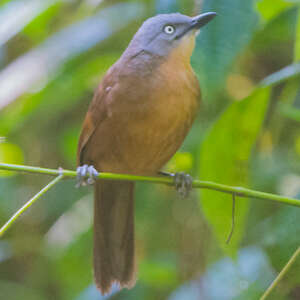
(166, 32)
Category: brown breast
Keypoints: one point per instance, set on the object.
(146, 118)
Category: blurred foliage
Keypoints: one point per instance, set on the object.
(222, 42)
(53, 54)
(224, 158)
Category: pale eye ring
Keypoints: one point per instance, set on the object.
(169, 29)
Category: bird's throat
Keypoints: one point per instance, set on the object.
(184, 50)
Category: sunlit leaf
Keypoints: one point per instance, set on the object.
(180, 162)
(225, 157)
(41, 26)
(10, 153)
(271, 8)
(15, 15)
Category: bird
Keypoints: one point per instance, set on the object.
(139, 116)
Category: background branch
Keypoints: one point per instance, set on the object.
(281, 274)
(8, 224)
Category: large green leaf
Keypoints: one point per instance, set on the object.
(269, 9)
(221, 41)
(224, 158)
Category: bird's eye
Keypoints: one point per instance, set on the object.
(169, 29)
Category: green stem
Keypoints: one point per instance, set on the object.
(12, 220)
(281, 274)
(238, 191)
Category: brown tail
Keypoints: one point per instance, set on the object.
(114, 235)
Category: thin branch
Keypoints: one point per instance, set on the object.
(238, 191)
(285, 73)
(281, 274)
(12, 220)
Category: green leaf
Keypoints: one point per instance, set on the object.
(297, 39)
(272, 8)
(40, 27)
(158, 273)
(182, 161)
(10, 153)
(18, 14)
(224, 158)
(221, 41)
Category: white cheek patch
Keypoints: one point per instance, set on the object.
(197, 32)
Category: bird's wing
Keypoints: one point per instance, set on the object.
(97, 112)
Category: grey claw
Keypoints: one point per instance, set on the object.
(183, 183)
(84, 170)
(86, 175)
(92, 172)
(79, 177)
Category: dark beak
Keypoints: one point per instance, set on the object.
(202, 20)
(197, 22)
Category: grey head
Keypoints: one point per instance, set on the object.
(160, 34)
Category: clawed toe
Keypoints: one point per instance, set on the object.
(183, 183)
(86, 175)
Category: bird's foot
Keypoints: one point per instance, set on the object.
(183, 182)
(86, 175)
